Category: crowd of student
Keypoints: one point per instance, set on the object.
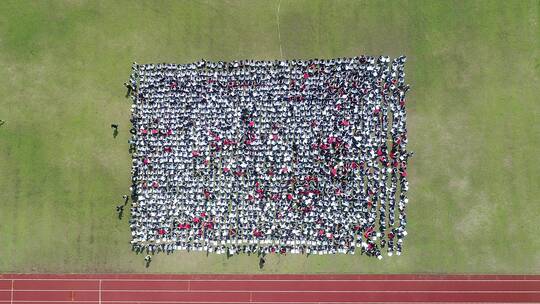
(296, 156)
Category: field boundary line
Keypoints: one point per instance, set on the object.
(278, 280)
(278, 30)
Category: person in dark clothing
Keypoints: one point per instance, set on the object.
(147, 260)
(120, 211)
(129, 89)
(115, 130)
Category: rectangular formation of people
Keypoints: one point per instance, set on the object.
(295, 156)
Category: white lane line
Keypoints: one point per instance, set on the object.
(99, 291)
(278, 280)
(12, 291)
(256, 302)
(280, 291)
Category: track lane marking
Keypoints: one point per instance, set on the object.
(282, 291)
(256, 302)
(286, 280)
(99, 291)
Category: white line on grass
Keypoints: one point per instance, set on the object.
(278, 30)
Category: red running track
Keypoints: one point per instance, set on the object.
(285, 289)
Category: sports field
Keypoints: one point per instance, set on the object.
(474, 68)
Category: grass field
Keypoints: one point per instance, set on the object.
(474, 67)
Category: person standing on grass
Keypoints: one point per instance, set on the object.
(147, 259)
(120, 210)
(115, 130)
(129, 89)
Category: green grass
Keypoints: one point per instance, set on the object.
(474, 67)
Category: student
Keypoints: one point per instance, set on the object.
(120, 211)
(129, 89)
(147, 260)
(115, 130)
